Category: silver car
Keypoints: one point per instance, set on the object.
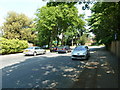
(80, 52)
(34, 51)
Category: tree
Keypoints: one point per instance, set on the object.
(83, 39)
(105, 20)
(56, 20)
(46, 24)
(19, 26)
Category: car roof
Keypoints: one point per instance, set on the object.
(81, 46)
(63, 46)
(33, 47)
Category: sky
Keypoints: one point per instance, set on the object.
(28, 7)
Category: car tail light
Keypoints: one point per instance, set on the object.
(26, 50)
(63, 48)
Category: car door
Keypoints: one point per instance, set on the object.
(41, 50)
(37, 50)
(69, 49)
(65, 48)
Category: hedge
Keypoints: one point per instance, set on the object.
(12, 45)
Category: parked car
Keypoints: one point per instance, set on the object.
(63, 49)
(53, 49)
(34, 51)
(80, 52)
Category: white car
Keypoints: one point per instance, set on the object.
(80, 52)
(34, 51)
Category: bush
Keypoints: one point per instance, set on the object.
(12, 45)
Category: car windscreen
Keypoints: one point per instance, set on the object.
(79, 48)
(30, 48)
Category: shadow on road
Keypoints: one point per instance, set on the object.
(60, 72)
(42, 72)
(101, 71)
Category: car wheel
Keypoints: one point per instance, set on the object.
(44, 52)
(87, 57)
(66, 51)
(34, 53)
(72, 58)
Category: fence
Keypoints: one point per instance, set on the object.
(115, 48)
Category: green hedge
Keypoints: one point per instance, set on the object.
(12, 45)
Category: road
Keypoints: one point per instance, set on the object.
(51, 70)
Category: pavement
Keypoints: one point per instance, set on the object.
(100, 71)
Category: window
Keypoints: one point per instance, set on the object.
(37, 47)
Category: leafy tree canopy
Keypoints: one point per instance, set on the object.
(104, 21)
(19, 26)
(53, 21)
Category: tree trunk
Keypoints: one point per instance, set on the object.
(57, 41)
(72, 42)
(62, 42)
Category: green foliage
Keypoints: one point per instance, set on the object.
(12, 45)
(54, 20)
(19, 26)
(83, 39)
(104, 21)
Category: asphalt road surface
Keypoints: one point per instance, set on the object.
(51, 70)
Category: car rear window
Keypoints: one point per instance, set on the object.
(79, 48)
(60, 47)
(30, 48)
(37, 47)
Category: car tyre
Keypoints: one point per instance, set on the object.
(72, 58)
(87, 57)
(66, 51)
(34, 53)
(44, 52)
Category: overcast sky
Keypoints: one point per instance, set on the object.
(28, 7)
